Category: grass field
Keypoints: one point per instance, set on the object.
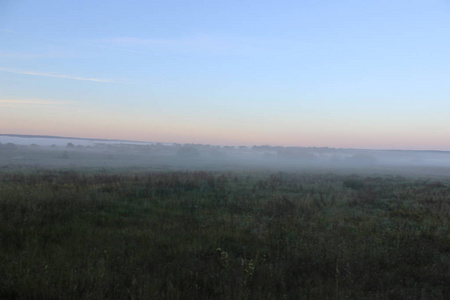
(222, 235)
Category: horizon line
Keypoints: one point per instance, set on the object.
(276, 146)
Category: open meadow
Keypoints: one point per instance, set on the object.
(224, 150)
(118, 234)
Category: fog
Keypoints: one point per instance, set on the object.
(51, 152)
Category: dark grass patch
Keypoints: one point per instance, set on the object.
(222, 235)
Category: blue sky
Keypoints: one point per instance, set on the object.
(359, 74)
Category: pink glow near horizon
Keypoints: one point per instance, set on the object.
(51, 118)
(244, 137)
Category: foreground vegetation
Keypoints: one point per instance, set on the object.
(218, 235)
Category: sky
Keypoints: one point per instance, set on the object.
(311, 73)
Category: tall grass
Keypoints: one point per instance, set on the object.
(222, 235)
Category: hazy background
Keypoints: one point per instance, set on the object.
(58, 152)
(352, 74)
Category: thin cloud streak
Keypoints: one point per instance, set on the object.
(234, 45)
(202, 43)
(22, 55)
(11, 102)
(25, 72)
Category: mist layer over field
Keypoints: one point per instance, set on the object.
(50, 152)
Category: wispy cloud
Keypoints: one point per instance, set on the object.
(202, 43)
(25, 55)
(20, 55)
(14, 102)
(26, 72)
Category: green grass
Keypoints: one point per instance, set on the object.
(222, 235)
